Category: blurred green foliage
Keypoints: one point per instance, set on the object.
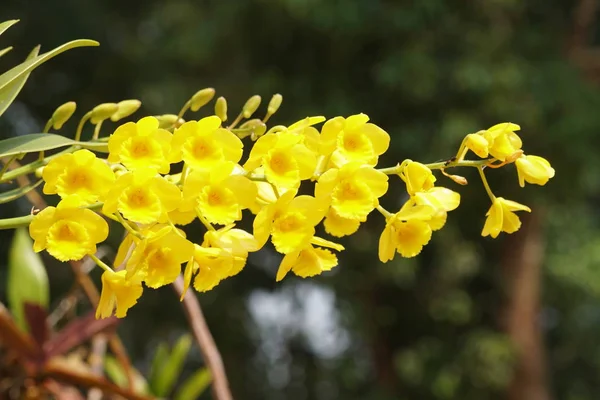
(428, 72)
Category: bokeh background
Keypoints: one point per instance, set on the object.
(471, 318)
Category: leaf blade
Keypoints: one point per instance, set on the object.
(27, 279)
(11, 91)
(7, 24)
(25, 67)
(35, 142)
(14, 194)
(195, 385)
(172, 368)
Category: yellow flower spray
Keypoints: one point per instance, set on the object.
(136, 186)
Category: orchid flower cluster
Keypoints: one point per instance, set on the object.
(136, 186)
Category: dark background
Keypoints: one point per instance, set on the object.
(471, 318)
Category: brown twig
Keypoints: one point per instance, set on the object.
(59, 372)
(193, 312)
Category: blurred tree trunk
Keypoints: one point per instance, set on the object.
(521, 269)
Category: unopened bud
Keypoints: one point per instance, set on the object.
(166, 121)
(221, 108)
(256, 128)
(251, 106)
(126, 108)
(274, 104)
(103, 111)
(201, 98)
(62, 114)
(461, 180)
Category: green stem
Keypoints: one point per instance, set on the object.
(236, 121)
(13, 223)
(128, 227)
(31, 167)
(80, 126)
(6, 164)
(385, 212)
(204, 221)
(46, 130)
(101, 264)
(17, 222)
(97, 128)
(456, 163)
(391, 170)
(486, 184)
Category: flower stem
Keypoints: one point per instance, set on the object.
(204, 221)
(485, 183)
(80, 126)
(7, 163)
(100, 263)
(12, 223)
(390, 170)
(127, 226)
(236, 121)
(384, 212)
(97, 128)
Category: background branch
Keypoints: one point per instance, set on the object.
(193, 312)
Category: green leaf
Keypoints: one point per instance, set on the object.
(27, 278)
(164, 382)
(12, 90)
(195, 385)
(7, 24)
(158, 363)
(35, 142)
(115, 371)
(5, 50)
(11, 75)
(18, 192)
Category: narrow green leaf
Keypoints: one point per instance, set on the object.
(5, 50)
(165, 381)
(32, 143)
(158, 363)
(18, 192)
(27, 279)
(10, 92)
(7, 24)
(25, 67)
(115, 371)
(195, 385)
(35, 142)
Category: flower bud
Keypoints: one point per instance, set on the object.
(251, 106)
(221, 108)
(62, 114)
(461, 180)
(126, 108)
(201, 98)
(166, 121)
(103, 111)
(274, 104)
(256, 126)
